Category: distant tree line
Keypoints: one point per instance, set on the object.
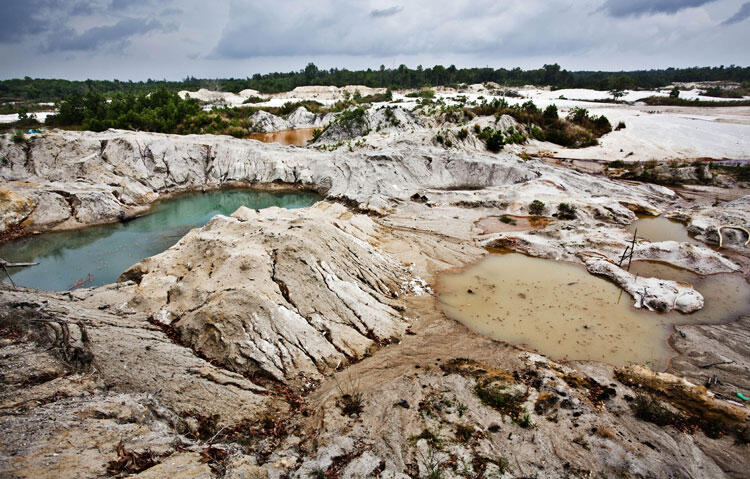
(160, 111)
(41, 90)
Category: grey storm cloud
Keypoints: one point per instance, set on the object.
(742, 15)
(386, 12)
(339, 27)
(97, 37)
(77, 38)
(627, 8)
(48, 21)
(21, 18)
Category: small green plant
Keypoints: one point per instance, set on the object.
(432, 438)
(477, 129)
(18, 137)
(461, 409)
(317, 473)
(536, 208)
(351, 397)
(462, 134)
(439, 138)
(433, 467)
(581, 441)
(464, 433)
(620, 126)
(675, 93)
(507, 220)
(507, 403)
(550, 112)
(566, 211)
(525, 421)
(649, 409)
(495, 141)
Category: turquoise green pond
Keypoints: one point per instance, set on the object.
(97, 255)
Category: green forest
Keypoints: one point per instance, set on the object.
(50, 90)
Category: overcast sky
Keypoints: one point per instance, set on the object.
(139, 39)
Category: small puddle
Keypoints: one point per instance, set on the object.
(298, 137)
(562, 311)
(659, 228)
(506, 223)
(97, 255)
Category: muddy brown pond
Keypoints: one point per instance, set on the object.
(298, 137)
(659, 228)
(562, 311)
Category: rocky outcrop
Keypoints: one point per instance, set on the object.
(688, 396)
(704, 222)
(51, 210)
(14, 208)
(302, 118)
(357, 122)
(669, 175)
(278, 292)
(653, 294)
(129, 170)
(264, 122)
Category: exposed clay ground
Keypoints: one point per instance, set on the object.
(309, 343)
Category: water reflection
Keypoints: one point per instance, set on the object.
(99, 254)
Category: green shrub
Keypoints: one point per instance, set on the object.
(462, 134)
(566, 211)
(253, 99)
(506, 403)
(550, 112)
(351, 120)
(536, 208)
(425, 93)
(537, 133)
(525, 421)
(18, 137)
(651, 410)
(675, 93)
(495, 142)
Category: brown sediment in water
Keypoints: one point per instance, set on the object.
(297, 137)
(726, 295)
(562, 311)
(495, 224)
(659, 228)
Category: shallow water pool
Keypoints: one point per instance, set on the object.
(562, 311)
(659, 228)
(97, 255)
(298, 137)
